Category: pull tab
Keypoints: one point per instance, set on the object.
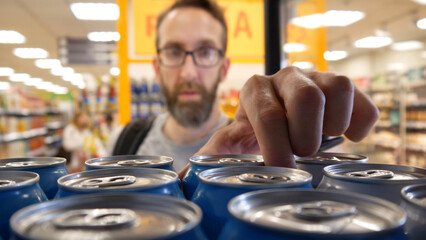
(134, 163)
(95, 218)
(262, 178)
(231, 161)
(5, 183)
(322, 210)
(377, 174)
(108, 181)
(22, 164)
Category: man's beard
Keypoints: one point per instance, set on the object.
(190, 113)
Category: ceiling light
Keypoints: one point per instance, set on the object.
(6, 71)
(421, 23)
(32, 81)
(95, 11)
(422, 2)
(47, 63)
(294, 47)
(336, 18)
(309, 21)
(61, 71)
(373, 42)
(19, 77)
(303, 65)
(335, 55)
(72, 77)
(103, 36)
(4, 85)
(30, 53)
(114, 71)
(407, 45)
(44, 85)
(9, 36)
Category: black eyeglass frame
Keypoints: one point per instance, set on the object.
(186, 53)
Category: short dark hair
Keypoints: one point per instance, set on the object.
(209, 6)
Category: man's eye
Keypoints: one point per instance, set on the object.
(174, 52)
(205, 52)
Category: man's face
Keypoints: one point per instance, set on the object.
(190, 90)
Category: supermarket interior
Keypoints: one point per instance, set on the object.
(61, 57)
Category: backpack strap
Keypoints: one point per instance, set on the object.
(132, 136)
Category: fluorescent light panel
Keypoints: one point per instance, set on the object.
(30, 53)
(294, 47)
(421, 23)
(4, 85)
(373, 42)
(335, 55)
(95, 11)
(103, 36)
(6, 71)
(11, 37)
(332, 18)
(19, 77)
(61, 71)
(407, 45)
(303, 65)
(114, 71)
(47, 63)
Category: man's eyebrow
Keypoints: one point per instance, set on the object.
(173, 44)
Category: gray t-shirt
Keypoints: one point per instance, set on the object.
(156, 143)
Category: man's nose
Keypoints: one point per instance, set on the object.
(189, 69)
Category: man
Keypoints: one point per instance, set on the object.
(278, 116)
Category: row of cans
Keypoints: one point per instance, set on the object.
(214, 187)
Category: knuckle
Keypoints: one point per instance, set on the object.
(271, 114)
(310, 96)
(342, 84)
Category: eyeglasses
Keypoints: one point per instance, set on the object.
(203, 57)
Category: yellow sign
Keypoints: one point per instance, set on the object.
(244, 19)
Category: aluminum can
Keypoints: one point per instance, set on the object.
(414, 203)
(127, 161)
(147, 180)
(379, 180)
(49, 169)
(204, 162)
(18, 189)
(312, 214)
(315, 164)
(110, 216)
(218, 186)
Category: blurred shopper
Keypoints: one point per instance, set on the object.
(278, 116)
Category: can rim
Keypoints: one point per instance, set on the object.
(408, 189)
(204, 179)
(34, 178)
(119, 171)
(333, 170)
(92, 162)
(54, 161)
(197, 160)
(357, 158)
(345, 195)
(194, 219)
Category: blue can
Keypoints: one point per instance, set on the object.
(49, 169)
(18, 189)
(379, 180)
(110, 216)
(218, 186)
(315, 164)
(204, 162)
(146, 180)
(414, 203)
(312, 214)
(128, 161)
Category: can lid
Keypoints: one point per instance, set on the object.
(107, 216)
(227, 160)
(255, 176)
(328, 158)
(369, 172)
(415, 194)
(313, 213)
(17, 179)
(30, 163)
(129, 161)
(120, 178)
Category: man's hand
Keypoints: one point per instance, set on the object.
(287, 113)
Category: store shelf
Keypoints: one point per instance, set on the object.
(52, 139)
(54, 125)
(17, 136)
(37, 152)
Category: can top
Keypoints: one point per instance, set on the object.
(227, 160)
(328, 158)
(316, 212)
(129, 161)
(255, 176)
(378, 173)
(107, 216)
(31, 162)
(10, 180)
(415, 194)
(120, 178)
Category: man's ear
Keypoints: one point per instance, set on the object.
(156, 65)
(224, 68)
